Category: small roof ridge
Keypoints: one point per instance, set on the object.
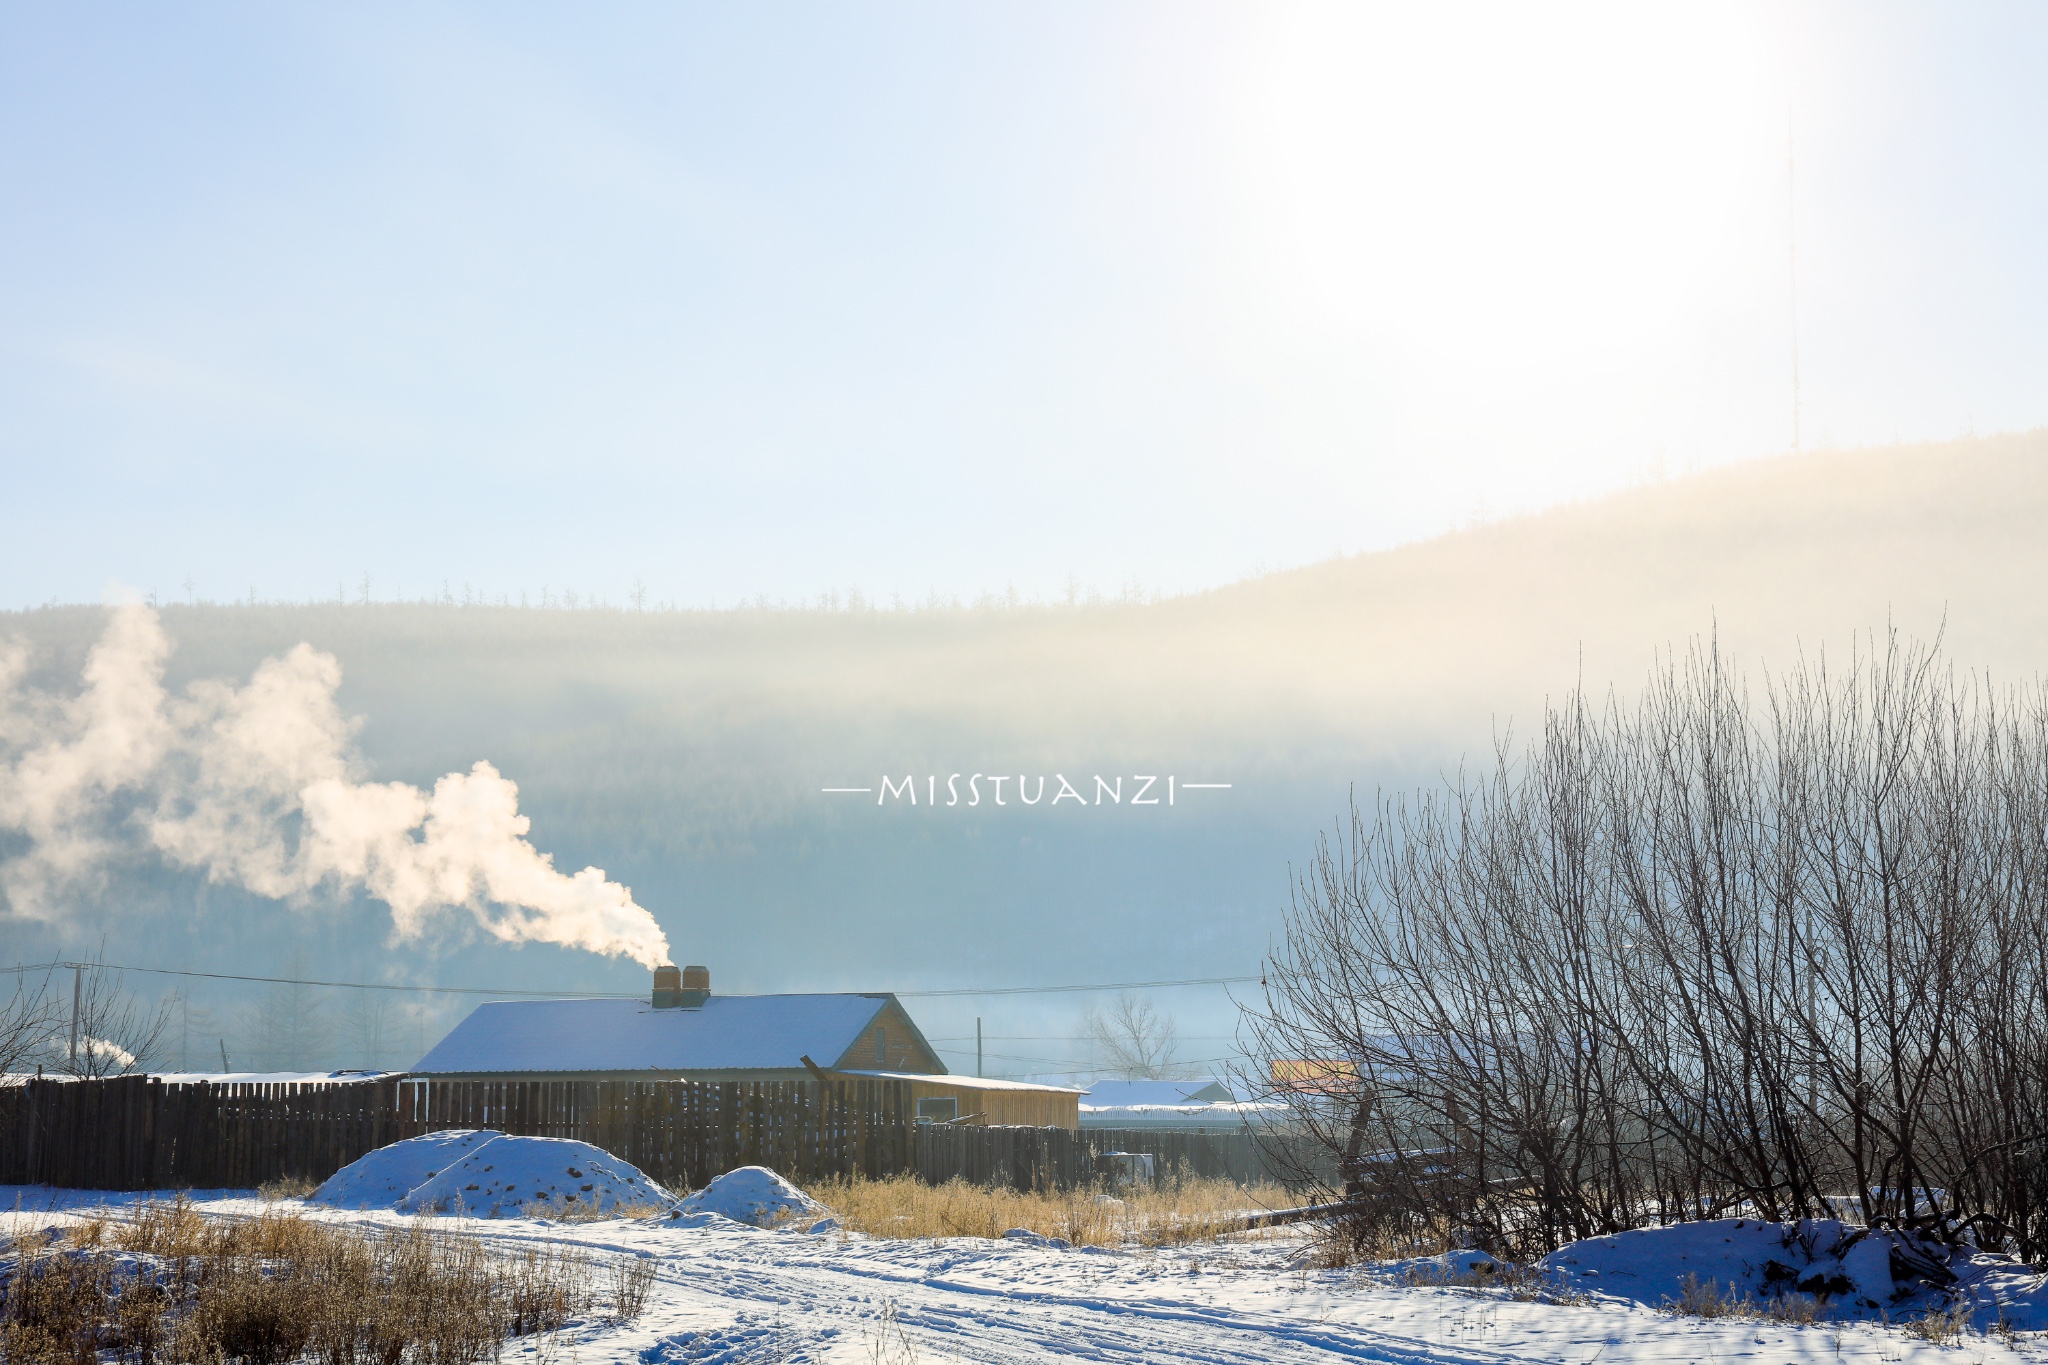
(969, 1082)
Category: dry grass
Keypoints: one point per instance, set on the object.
(564, 1210)
(632, 1279)
(289, 1187)
(1706, 1299)
(170, 1286)
(1943, 1325)
(1799, 1310)
(1699, 1298)
(1345, 1242)
(889, 1343)
(1181, 1211)
(1522, 1283)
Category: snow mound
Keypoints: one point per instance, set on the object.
(1856, 1272)
(500, 1178)
(751, 1194)
(1035, 1239)
(379, 1179)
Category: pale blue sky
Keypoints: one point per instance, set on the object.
(784, 299)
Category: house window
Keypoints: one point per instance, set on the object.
(881, 1048)
(938, 1109)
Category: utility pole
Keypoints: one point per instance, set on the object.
(977, 1047)
(77, 988)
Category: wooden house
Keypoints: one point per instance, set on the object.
(684, 1032)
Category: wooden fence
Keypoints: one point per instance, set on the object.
(137, 1133)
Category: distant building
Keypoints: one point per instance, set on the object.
(1206, 1105)
(684, 1032)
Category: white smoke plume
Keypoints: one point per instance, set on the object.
(259, 787)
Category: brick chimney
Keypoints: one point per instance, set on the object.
(685, 988)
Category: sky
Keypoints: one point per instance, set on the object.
(723, 302)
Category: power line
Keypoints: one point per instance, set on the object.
(1068, 1038)
(605, 995)
(1100, 986)
(303, 981)
(1080, 1065)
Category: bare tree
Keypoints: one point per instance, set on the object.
(369, 1030)
(1133, 1040)
(107, 1030)
(25, 1021)
(287, 1029)
(196, 1035)
(1692, 956)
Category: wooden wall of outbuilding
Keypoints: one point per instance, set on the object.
(986, 1105)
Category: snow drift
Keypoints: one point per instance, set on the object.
(487, 1175)
(1856, 1273)
(751, 1194)
(499, 1179)
(379, 1179)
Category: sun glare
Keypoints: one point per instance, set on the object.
(1497, 179)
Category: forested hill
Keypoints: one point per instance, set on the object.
(685, 752)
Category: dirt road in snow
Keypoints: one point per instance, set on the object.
(730, 1294)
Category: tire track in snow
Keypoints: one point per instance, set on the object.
(1012, 1324)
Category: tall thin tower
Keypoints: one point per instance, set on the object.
(1792, 261)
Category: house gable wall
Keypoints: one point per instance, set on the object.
(890, 1042)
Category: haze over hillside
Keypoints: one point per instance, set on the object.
(686, 753)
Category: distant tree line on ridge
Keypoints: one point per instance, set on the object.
(637, 598)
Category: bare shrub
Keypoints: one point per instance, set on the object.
(1340, 1242)
(632, 1277)
(53, 1298)
(1534, 1284)
(1699, 1298)
(171, 1285)
(286, 1187)
(1942, 1325)
(1689, 957)
(890, 1343)
(1793, 1309)
(1522, 1283)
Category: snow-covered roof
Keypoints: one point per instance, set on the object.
(225, 1077)
(1211, 1116)
(1122, 1093)
(728, 1033)
(267, 1077)
(1211, 1111)
(964, 1082)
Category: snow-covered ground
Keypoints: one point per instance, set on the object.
(729, 1292)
